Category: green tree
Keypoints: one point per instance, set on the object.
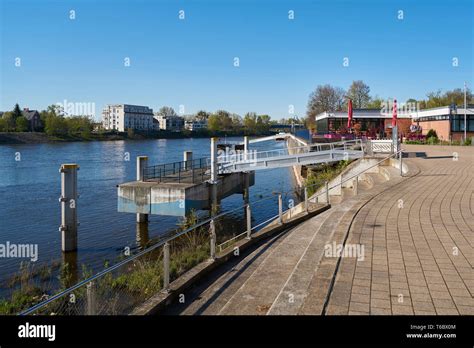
(263, 124)
(213, 123)
(202, 115)
(22, 124)
(9, 122)
(16, 112)
(3, 125)
(55, 125)
(250, 122)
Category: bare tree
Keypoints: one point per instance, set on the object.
(325, 98)
(359, 92)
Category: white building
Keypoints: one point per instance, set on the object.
(121, 117)
(195, 125)
(170, 123)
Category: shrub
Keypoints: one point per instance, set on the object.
(432, 134)
(432, 140)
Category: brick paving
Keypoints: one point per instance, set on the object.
(417, 233)
(418, 239)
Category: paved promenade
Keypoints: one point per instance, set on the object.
(419, 238)
(417, 235)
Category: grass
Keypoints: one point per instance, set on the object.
(318, 175)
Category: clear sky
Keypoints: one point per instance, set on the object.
(190, 62)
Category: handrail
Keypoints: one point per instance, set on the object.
(165, 240)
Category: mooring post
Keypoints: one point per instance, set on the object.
(280, 209)
(142, 162)
(249, 222)
(306, 201)
(91, 299)
(188, 160)
(68, 201)
(166, 266)
(212, 232)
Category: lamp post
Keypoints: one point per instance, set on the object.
(465, 118)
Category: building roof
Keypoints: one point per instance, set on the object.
(29, 114)
(360, 113)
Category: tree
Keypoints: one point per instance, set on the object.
(55, 125)
(202, 115)
(3, 125)
(359, 93)
(16, 112)
(9, 122)
(325, 98)
(213, 123)
(263, 124)
(375, 103)
(166, 111)
(250, 122)
(22, 124)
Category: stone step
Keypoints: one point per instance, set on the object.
(209, 297)
(294, 292)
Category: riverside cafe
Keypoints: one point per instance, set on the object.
(369, 123)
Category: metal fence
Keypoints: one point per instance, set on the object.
(191, 171)
(120, 288)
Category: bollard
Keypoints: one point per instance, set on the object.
(249, 222)
(188, 160)
(91, 299)
(142, 162)
(306, 202)
(68, 201)
(356, 185)
(166, 267)
(280, 209)
(326, 185)
(212, 232)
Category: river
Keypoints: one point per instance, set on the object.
(30, 189)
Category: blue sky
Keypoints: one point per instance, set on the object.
(190, 62)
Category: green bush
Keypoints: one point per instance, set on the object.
(468, 141)
(431, 134)
(432, 140)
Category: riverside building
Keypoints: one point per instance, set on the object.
(121, 117)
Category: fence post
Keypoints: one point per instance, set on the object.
(280, 209)
(306, 202)
(166, 266)
(212, 232)
(326, 185)
(249, 221)
(401, 164)
(91, 299)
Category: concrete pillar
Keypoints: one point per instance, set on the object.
(212, 232)
(142, 162)
(68, 201)
(142, 236)
(188, 160)
(69, 273)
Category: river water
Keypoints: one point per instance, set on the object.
(30, 189)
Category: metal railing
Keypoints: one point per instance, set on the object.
(242, 156)
(120, 288)
(190, 171)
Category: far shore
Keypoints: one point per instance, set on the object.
(8, 138)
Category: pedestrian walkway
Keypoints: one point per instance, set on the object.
(414, 240)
